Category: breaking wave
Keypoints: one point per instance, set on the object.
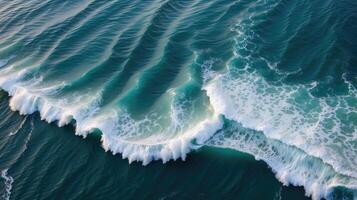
(155, 80)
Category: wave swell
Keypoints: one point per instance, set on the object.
(159, 79)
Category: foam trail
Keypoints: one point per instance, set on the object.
(8, 180)
(292, 116)
(314, 128)
(278, 112)
(290, 164)
(20, 127)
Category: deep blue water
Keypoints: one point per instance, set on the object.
(205, 87)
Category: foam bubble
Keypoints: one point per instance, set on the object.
(8, 180)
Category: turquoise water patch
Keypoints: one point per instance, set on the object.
(152, 81)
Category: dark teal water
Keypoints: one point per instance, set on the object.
(47, 162)
(190, 84)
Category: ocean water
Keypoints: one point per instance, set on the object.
(238, 99)
(42, 161)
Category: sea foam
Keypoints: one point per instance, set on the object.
(8, 180)
(307, 140)
(117, 128)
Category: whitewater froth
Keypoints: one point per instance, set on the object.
(156, 82)
(120, 133)
(8, 180)
(306, 139)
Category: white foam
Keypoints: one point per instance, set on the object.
(19, 127)
(291, 165)
(8, 180)
(148, 139)
(318, 128)
(174, 148)
(120, 133)
(321, 127)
